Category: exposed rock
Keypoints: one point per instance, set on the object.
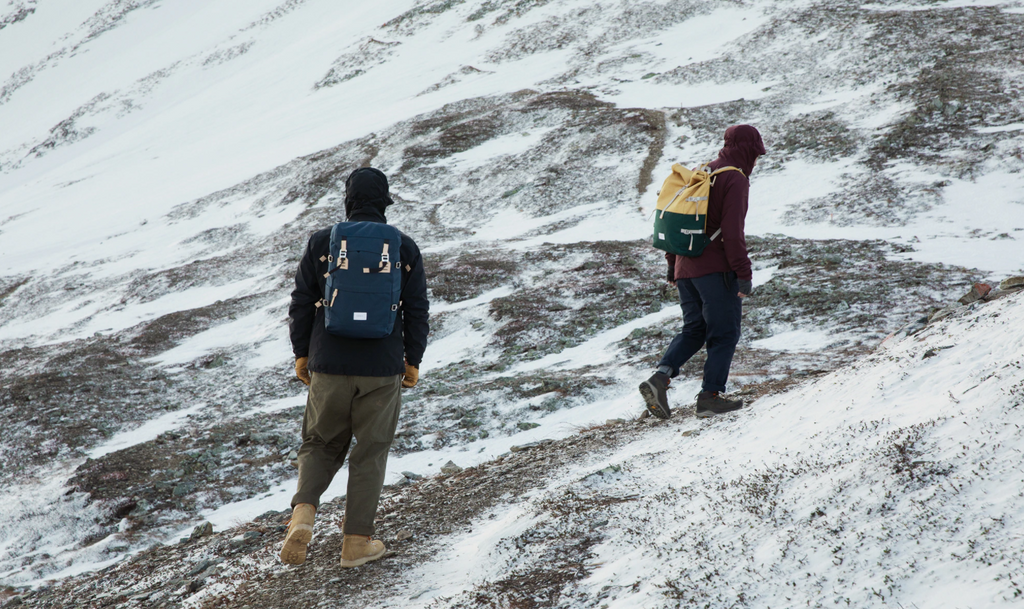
(403, 535)
(203, 530)
(182, 489)
(943, 313)
(1011, 283)
(536, 444)
(935, 351)
(978, 291)
(412, 476)
(450, 468)
(202, 566)
(608, 471)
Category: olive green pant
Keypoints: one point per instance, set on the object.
(338, 408)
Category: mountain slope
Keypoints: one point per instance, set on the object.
(161, 166)
(893, 480)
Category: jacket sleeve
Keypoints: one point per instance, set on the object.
(415, 310)
(302, 310)
(734, 215)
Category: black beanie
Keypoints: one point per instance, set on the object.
(364, 187)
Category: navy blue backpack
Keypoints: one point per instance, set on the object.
(364, 280)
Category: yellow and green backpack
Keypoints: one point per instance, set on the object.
(681, 214)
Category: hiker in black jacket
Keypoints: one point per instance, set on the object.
(354, 384)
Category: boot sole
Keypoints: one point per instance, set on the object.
(650, 395)
(293, 552)
(362, 561)
(707, 414)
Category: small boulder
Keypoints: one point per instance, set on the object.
(450, 468)
(403, 535)
(537, 444)
(182, 489)
(203, 530)
(943, 313)
(978, 291)
(1012, 283)
(202, 566)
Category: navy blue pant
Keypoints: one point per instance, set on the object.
(711, 316)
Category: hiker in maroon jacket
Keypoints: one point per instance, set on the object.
(712, 285)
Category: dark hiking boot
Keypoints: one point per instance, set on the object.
(710, 403)
(654, 392)
(300, 531)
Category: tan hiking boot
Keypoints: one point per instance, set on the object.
(300, 531)
(360, 549)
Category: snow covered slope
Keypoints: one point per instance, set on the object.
(161, 165)
(893, 481)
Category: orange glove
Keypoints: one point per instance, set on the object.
(301, 371)
(412, 375)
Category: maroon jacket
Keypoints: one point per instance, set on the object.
(727, 209)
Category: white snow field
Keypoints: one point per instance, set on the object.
(161, 158)
(895, 481)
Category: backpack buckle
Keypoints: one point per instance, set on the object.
(394, 307)
(385, 258)
(343, 256)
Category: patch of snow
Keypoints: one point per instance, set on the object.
(597, 350)
(796, 340)
(487, 153)
(145, 432)
(1001, 128)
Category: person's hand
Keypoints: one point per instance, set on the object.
(746, 287)
(671, 276)
(301, 371)
(411, 377)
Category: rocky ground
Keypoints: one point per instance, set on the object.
(929, 88)
(238, 567)
(67, 397)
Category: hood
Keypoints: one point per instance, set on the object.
(742, 147)
(366, 192)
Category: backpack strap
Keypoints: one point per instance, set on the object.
(723, 169)
(343, 254)
(385, 260)
(712, 176)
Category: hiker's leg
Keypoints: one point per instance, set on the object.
(693, 334)
(326, 434)
(374, 420)
(723, 311)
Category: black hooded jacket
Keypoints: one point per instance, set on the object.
(366, 197)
